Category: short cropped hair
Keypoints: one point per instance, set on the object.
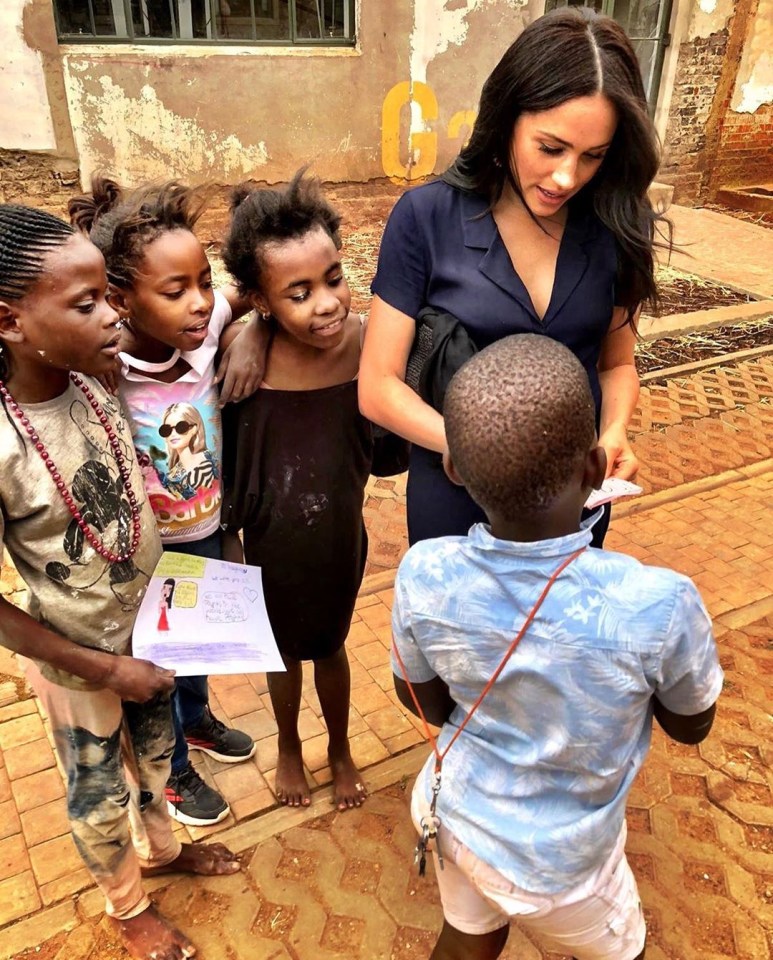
(519, 419)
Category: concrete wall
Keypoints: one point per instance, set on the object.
(25, 120)
(37, 153)
(720, 122)
(398, 105)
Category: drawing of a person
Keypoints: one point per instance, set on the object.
(191, 465)
(165, 603)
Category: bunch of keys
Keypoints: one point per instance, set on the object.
(429, 830)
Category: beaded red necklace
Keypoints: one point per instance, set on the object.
(61, 486)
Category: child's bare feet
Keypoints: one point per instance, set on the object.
(348, 789)
(291, 787)
(149, 936)
(207, 859)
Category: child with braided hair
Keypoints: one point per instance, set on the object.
(79, 528)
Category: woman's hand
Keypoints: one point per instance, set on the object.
(621, 460)
(243, 363)
(619, 395)
(137, 680)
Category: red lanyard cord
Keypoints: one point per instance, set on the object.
(439, 757)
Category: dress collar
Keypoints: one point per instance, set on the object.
(480, 232)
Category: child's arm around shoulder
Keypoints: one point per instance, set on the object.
(129, 678)
(244, 347)
(690, 679)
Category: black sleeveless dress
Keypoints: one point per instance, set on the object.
(295, 467)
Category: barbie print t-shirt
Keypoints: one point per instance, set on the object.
(177, 434)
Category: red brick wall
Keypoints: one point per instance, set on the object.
(707, 145)
(695, 88)
(745, 155)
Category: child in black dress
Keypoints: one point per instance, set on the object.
(297, 460)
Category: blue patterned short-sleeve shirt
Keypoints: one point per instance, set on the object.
(536, 785)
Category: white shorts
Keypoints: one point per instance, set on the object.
(600, 920)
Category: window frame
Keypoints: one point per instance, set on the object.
(131, 39)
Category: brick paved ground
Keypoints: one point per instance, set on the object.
(342, 885)
(321, 884)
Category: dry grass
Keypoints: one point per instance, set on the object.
(701, 345)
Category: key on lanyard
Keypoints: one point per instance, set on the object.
(429, 831)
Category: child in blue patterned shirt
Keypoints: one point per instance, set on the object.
(531, 805)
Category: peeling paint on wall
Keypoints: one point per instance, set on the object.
(25, 120)
(145, 136)
(754, 86)
(709, 16)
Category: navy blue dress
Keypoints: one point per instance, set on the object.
(441, 248)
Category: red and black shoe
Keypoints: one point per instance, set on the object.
(222, 743)
(192, 801)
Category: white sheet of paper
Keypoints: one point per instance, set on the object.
(612, 489)
(202, 617)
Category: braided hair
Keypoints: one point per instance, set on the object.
(263, 217)
(122, 225)
(26, 237)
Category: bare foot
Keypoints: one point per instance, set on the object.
(207, 859)
(149, 936)
(348, 789)
(291, 787)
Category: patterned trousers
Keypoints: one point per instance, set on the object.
(115, 756)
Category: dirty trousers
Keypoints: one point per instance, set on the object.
(115, 756)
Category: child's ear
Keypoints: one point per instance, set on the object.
(450, 469)
(258, 303)
(595, 468)
(9, 324)
(117, 299)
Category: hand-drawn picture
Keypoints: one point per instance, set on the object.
(186, 620)
(190, 465)
(165, 603)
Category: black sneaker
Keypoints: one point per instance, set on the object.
(222, 743)
(193, 802)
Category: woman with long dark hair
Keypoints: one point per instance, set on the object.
(541, 225)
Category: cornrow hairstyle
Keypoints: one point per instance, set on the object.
(261, 217)
(121, 225)
(26, 237)
(519, 419)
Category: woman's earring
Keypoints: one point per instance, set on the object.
(497, 162)
(265, 317)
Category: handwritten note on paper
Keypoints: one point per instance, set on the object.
(180, 565)
(202, 617)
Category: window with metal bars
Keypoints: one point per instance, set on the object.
(314, 22)
(646, 23)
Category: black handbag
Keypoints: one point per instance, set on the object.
(441, 346)
(391, 453)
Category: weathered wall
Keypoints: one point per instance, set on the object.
(719, 128)
(37, 152)
(25, 120)
(400, 104)
(745, 154)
